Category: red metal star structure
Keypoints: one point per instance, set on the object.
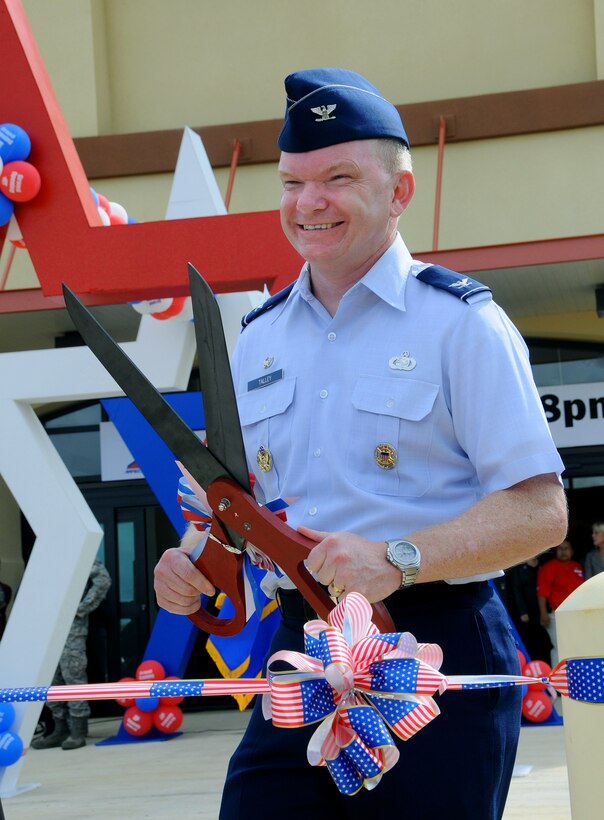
(62, 229)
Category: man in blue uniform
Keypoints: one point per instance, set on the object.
(402, 417)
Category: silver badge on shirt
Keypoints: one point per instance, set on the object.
(404, 361)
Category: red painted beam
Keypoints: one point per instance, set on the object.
(519, 254)
(61, 226)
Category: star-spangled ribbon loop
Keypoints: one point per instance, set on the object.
(347, 669)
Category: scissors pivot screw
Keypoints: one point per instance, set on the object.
(224, 504)
(247, 526)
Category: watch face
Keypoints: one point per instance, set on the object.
(405, 553)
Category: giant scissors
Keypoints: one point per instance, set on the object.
(220, 468)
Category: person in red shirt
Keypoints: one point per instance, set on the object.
(556, 580)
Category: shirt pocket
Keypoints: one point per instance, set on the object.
(266, 421)
(393, 421)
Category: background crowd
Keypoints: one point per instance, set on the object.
(533, 591)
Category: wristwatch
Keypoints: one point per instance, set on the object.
(404, 555)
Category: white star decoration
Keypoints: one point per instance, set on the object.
(67, 534)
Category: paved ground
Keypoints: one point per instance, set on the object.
(181, 779)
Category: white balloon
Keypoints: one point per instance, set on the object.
(152, 305)
(104, 216)
(118, 210)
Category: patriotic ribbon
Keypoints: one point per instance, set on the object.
(362, 686)
(358, 685)
(195, 510)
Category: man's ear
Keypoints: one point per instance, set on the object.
(403, 192)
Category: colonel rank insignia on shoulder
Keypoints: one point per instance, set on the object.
(455, 283)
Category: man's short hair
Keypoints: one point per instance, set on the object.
(394, 156)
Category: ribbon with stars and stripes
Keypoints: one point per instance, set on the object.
(358, 685)
(362, 686)
(195, 510)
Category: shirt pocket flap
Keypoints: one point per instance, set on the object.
(264, 402)
(409, 399)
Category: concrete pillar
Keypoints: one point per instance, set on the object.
(580, 626)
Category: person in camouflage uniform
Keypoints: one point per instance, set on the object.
(71, 719)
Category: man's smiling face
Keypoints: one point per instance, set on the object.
(339, 206)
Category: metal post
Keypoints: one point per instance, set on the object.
(442, 132)
(233, 168)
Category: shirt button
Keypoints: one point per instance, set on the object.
(390, 403)
(317, 452)
(323, 394)
(313, 511)
(331, 336)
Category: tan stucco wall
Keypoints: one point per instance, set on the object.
(133, 65)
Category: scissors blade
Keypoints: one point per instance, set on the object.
(179, 437)
(223, 428)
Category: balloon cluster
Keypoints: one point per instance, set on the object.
(111, 213)
(11, 745)
(537, 704)
(170, 308)
(142, 714)
(19, 180)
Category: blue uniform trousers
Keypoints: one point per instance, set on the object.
(458, 767)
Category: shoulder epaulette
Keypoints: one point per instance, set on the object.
(454, 283)
(266, 306)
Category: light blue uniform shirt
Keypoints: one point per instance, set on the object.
(465, 421)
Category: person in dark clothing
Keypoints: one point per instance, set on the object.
(523, 607)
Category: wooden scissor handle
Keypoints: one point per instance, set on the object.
(225, 570)
(286, 547)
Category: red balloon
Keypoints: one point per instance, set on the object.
(522, 659)
(168, 719)
(104, 203)
(537, 669)
(20, 181)
(171, 701)
(126, 701)
(178, 303)
(117, 219)
(537, 706)
(136, 722)
(150, 670)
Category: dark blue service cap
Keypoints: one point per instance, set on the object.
(326, 106)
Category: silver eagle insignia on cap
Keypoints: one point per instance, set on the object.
(323, 112)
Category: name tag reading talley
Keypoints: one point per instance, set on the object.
(264, 381)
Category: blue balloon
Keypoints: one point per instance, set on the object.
(6, 209)
(11, 748)
(147, 704)
(14, 142)
(95, 196)
(7, 715)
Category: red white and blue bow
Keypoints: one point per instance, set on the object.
(361, 685)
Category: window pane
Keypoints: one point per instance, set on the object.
(126, 555)
(80, 452)
(82, 417)
(566, 363)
